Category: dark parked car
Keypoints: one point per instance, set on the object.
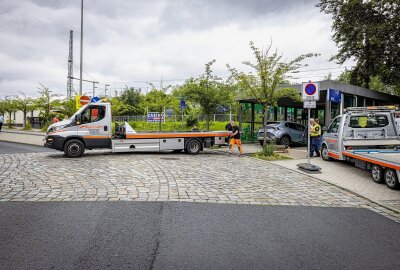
(284, 133)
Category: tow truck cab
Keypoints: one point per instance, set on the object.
(90, 125)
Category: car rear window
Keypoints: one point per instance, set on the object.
(368, 121)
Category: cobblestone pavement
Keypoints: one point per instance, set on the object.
(207, 177)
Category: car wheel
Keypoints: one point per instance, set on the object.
(391, 179)
(377, 173)
(324, 153)
(285, 140)
(193, 147)
(261, 143)
(74, 148)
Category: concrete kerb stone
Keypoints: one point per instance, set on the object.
(333, 184)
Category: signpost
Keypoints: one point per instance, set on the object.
(81, 101)
(310, 96)
(95, 99)
(183, 107)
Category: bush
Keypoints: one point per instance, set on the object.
(269, 149)
(191, 121)
(28, 126)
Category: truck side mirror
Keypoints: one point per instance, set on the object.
(324, 128)
(78, 119)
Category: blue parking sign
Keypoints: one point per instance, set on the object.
(183, 104)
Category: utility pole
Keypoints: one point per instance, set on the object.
(80, 71)
(105, 90)
(94, 87)
(70, 65)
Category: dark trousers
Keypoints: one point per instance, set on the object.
(314, 146)
(1, 125)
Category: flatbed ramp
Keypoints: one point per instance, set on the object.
(385, 158)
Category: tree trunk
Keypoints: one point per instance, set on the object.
(24, 121)
(266, 112)
(9, 119)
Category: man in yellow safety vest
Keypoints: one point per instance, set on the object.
(315, 134)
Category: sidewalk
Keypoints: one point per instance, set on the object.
(34, 137)
(348, 176)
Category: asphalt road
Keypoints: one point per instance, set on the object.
(176, 235)
(15, 148)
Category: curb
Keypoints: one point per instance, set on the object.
(23, 132)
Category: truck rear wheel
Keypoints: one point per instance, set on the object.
(391, 179)
(193, 147)
(377, 173)
(74, 148)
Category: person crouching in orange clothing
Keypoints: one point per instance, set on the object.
(235, 139)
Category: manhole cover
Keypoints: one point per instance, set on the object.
(170, 158)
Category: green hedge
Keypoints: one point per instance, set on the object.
(174, 126)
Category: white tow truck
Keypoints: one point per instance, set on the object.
(90, 127)
(369, 138)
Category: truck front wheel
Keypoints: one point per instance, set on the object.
(377, 173)
(74, 148)
(193, 147)
(391, 179)
(324, 153)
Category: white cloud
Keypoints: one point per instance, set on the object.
(128, 43)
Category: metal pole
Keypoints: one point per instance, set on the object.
(182, 119)
(308, 143)
(80, 71)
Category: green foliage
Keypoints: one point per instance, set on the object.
(269, 72)
(191, 120)
(25, 105)
(269, 148)
(28, 126)
(9, 106)
(174, 126)
(45, 103)
(133, 102)
(208, 91)
(369, 33)
(69, 107)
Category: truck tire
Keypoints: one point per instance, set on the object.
(377, 174)
(285, 140)
(324, 153)
(391, 179)
(74, 148)
(193, 147)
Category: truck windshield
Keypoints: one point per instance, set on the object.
(368, 121)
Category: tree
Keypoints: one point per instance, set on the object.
(68, 107)
(369, 32)
(208, 91)
(24, 104)
(134, 99)
(44, 103)
(264, 85)
(9, 107)
(158, 100)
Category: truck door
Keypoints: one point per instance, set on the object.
(331, 136)
(94, 127)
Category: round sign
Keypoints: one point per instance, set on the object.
(310, 89)
(84, 100)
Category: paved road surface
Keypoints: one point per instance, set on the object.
(176, 235)
(15, 148)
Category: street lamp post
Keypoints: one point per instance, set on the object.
(80, 71)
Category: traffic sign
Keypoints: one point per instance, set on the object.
(84, 100)
(310, 104)
(95, 99)
(310, 91)
(183, 104)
